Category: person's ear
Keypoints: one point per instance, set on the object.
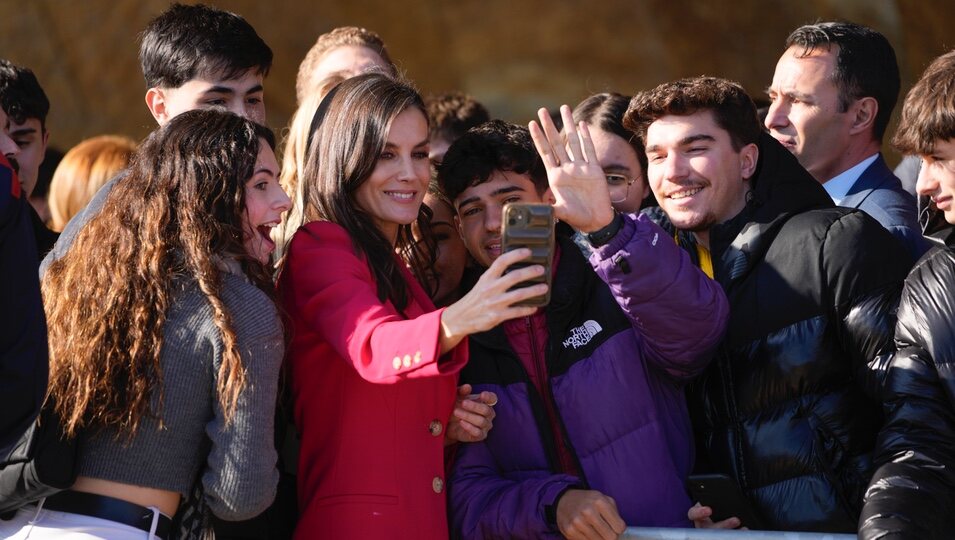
(548, 196)
(863, 112)
(457, 225)
(748, 157)
(156, 103)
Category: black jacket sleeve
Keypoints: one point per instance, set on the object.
(912, 494)
(865, 285)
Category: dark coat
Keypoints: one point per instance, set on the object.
(23, 347)
(912, 493)
(789, 407)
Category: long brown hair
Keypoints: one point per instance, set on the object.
(349, 131)
(177, 214)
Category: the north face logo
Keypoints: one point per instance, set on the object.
(582, 335)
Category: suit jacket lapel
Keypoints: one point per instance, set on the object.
(871, 179)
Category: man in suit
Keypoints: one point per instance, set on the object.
(831, 98)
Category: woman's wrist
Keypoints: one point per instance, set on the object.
(450, 335)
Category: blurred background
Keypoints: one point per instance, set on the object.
(512, 55)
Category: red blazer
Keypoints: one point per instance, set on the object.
(372, 398)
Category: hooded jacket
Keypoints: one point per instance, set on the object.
(789, 406)
(623, 337)
(912, 493)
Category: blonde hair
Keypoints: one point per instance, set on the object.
(82, 171)
(339, 37)
(293, 163)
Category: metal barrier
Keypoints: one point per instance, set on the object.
(650, 533)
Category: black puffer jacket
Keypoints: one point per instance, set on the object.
(789, 407)
(912, 494)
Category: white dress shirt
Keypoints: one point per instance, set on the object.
(838, 186)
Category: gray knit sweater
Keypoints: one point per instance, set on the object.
(237, 463)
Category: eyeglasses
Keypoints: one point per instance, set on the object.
(619, 186)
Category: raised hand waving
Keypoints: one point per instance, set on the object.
(573, 172)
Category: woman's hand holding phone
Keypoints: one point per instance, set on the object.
(491, 301)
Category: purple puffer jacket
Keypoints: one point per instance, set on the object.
(624, 337)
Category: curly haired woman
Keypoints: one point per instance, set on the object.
(165, 344)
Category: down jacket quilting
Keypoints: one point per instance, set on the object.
(789, 407)
(912, 493)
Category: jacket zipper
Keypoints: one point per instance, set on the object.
(551, 408)
(725, 360)
(538, 364)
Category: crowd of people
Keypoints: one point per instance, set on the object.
(338, 346)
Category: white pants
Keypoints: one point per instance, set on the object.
(33, 525)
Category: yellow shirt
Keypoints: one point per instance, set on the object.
(706, 261)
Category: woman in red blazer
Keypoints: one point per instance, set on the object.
(373, 365)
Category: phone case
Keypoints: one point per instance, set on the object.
(531, 226)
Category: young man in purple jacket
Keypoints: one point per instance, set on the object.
(591, 433)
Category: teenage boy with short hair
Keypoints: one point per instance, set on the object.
(26, 106)
(193, 57)
(912, 492)
(789, 406)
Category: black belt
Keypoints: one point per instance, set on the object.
(103, 507)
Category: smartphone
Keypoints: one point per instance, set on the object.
(723, 495)
(529, 225)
